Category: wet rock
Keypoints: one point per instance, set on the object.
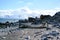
(54, 33)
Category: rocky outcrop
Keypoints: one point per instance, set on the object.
(51, 19)
(45, 18)
(56, 17)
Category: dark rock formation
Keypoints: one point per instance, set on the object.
(31, 19)
(47, 18)
(56, 17)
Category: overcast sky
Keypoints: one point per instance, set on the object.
(26, 8)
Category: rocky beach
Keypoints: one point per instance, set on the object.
(15, 33)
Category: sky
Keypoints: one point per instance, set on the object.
(26, 8)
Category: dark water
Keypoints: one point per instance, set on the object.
(10, 20)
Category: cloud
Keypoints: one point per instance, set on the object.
(25, 12)
(5, 12)
(49, 12)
